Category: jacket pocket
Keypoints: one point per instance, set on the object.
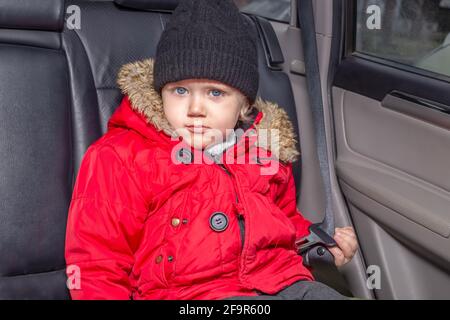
(202, 247)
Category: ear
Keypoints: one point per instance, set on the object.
(245, 109)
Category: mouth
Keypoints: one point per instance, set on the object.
(197, 129)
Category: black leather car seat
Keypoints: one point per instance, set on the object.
(57, 92)
(36, 162)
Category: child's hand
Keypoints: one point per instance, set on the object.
(347, 245)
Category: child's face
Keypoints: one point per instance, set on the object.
(202, 110)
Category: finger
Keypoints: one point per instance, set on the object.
(339, 258)
(345, 243)
(348, 231)
(341, 241)
(337, 253)
(342, 228)
(345, 230)
(351, 237)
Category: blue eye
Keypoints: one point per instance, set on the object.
(216, 93)
(180, 90)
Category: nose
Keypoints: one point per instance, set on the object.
(196, 107)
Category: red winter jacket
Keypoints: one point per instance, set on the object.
(142, 226)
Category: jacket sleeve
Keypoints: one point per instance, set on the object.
(286, 201)
(106, 214)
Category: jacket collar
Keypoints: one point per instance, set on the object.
(136, 81)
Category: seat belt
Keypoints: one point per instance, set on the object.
(307, 26)
(305, 15)
(314, 247)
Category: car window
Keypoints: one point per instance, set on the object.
(279, 10)
(412, 32)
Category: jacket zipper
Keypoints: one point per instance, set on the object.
(240, 217)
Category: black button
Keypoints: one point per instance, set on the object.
(321, 251)
(218, 221)
(184, 155)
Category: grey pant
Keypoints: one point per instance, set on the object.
(300, 290)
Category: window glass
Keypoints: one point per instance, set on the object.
(412, 32)
(279, 10)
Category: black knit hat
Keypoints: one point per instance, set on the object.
(208, 39)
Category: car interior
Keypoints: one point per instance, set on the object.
(385, 138)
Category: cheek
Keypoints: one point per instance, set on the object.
(173, 112)
(226, 116)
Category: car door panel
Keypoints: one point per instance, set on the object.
(392, 136)
(393, 170)
(404, 273)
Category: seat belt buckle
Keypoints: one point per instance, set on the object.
(316, 237)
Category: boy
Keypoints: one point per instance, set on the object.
(172, 203)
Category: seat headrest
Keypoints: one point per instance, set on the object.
(169, 5)
(47, 15)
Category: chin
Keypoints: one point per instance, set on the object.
(197, 143)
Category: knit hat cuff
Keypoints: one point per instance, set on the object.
(207, 64)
